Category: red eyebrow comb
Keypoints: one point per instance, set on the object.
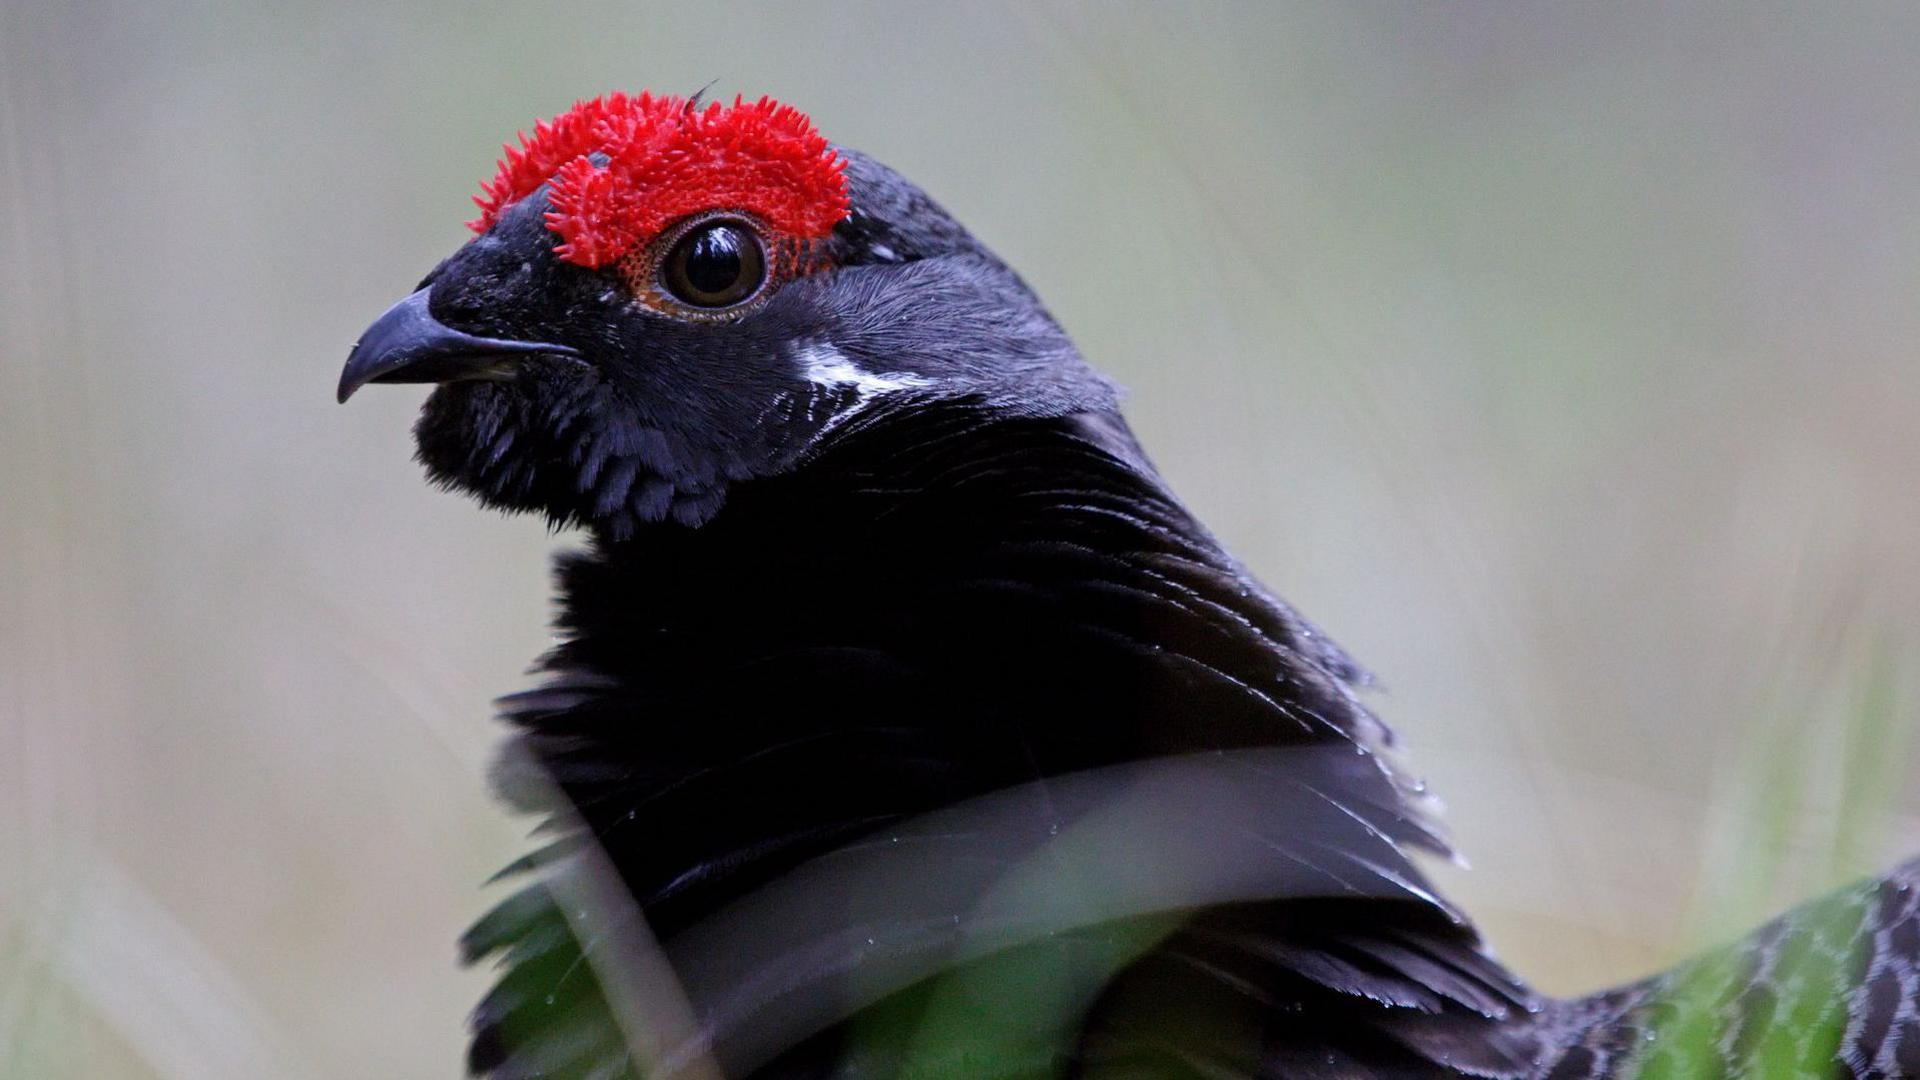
(623, 168)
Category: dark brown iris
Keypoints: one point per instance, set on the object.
(715, 265)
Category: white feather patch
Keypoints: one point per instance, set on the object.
(832, 373)
(827, 366)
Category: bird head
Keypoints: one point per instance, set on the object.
(663, 301)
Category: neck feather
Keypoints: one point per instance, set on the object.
(957, 632)
(903, 623)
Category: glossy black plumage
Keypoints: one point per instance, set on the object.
(935, 611)
(880, 584)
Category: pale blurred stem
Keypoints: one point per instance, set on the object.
(636, 981)
(1878, 745)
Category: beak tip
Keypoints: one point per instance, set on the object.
(354, 376)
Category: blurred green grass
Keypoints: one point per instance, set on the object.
(1804, 790)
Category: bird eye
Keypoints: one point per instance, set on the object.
(715, 265)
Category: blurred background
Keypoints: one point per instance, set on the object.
(1560, 361)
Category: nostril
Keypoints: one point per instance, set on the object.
(458, 307)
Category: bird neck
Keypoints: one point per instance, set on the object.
(921, 614)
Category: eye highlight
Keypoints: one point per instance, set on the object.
(714, 265)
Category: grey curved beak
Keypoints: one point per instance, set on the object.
(409, 345)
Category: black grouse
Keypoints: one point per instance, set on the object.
(902, 723)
